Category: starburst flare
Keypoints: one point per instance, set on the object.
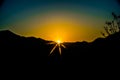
(58, 44)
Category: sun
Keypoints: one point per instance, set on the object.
(58, 44)
(58, 41)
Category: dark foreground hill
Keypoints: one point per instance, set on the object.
(19, 50)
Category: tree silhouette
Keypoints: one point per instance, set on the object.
(112, 27)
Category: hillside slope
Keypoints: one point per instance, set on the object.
(15, 49)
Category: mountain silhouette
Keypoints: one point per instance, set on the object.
(19, 50)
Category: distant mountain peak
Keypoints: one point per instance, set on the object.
(8, 33)
(5, 31)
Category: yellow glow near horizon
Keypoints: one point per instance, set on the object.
(60, 26)
(58, 41)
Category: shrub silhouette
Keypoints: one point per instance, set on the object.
(112, 27)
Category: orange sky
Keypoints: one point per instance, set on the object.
(60, 26)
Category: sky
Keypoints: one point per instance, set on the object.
(65, 20)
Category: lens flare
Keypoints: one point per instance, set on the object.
(58, 44)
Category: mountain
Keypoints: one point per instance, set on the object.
(19, 50)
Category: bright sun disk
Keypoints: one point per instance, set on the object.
(58, 41)
(58, 44)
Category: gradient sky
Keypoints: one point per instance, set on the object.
(67, 20)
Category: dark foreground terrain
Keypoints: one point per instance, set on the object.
(21, 51)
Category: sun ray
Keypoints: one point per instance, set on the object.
(53, 49)
(60, 50)
(51, 43)
(63, 46)
(58, 44)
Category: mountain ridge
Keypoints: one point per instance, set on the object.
(31, 50)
